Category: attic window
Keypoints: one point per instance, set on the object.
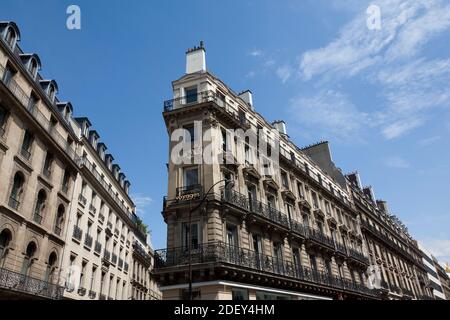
(33, 67)
(10, 37)
(51, 92)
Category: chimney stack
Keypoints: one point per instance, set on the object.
(247, 97)
(196, 59)
(382, 205)
(280, 125)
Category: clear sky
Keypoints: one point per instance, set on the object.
(380, 96)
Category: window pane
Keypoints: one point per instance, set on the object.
(190, 177)
(191, 95)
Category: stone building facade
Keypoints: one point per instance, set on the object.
(245, 226)
(67, 223)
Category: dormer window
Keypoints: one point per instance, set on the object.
(51, 93)
(10, 37)
(33, 68)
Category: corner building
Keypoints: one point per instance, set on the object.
(290, 233)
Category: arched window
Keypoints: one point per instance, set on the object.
(5, 239)
(59, 220)
(40, 206)
(29, 258)
(51, 266)
(33, 67)
(10, 37)
(16, 191)
(51, 92)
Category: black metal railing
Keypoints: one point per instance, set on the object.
(18, 282)
(37, 217)
(299, 228)
(189, 189)
(98, 247)
(92, 209)
(101, 218)
(14, 203)
(256, 207)
(92, 294)
(340, 247)
(188, 100)
(216, 252)
(57, 230)
(77, 233)
(109, 225)
(82, 199)
(320, 237)
(81, 291)
(140, 251)
(102, 297)
(25, 153)
(88, 241)
(358, 256)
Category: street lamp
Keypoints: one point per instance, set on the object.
(229, 184)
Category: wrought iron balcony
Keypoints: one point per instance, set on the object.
(92, 209)
(25, 153)
(81, 291)
(219, 252)
(299, 228)
(37, 217)
(102, 297)
(256, 207)
(180, 102)
(106, 256)
(98, 247)
(139, 251)
(92, 294)
(114, 258)
(340, 248)
(82, 200)
(14, 203)
(195, 188)
(358, 256)
(17, 282)
(77, 233)
(321, 238)
(109, 226)
(88, 241)
(101, 218)
(57, 230)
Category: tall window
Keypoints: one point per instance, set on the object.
(33, 67)
(26, 144)
(50, 269)
(51, 93)
(315, 201)
(5, 238)
(284, 179)
(191, 95)
(82, 274)
(328, 267)
(93, 274)
(313, 262)
(300, 190)
(290, 210)
(8, 75)
(189, 134)
(65, 182)
(59, 220)
(28, 259)
(297, 260)
(48, 164)
(3, 114)
(16, 191)
(194, 235)
(40, 206)
(190, 177)
(10, 37)
(232, 238)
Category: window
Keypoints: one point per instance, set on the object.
(33, 67)
(3, 115)
(40, 206)
(10, 37)
(51, 93)
(93, 274)
(297, 260)
(189, 134)
(191, 95)
(194, 235)
(300, 190)
(32, 104)
(290, 210)
(306, 220)
(5, 239)
(28, 258)
(328, 267)
(48, 164)
(284, 179)
(313, 262)
(8, 75)
(59, 220)
(190, 177)
(65, 182)
(327, 208)
(315, 201)
(26, 145)
(232, 237)
(16, 191)
(239, 294)
(82, 274)
(224, 140)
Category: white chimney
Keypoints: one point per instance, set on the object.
(196, 59)
(247, 97)
(280, 125)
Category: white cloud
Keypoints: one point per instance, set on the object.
(410, 86)
(428, 141)
(440, 248)
(330, 113)
(142, 202)
(256, 53)
(284, 73)
(397, 163)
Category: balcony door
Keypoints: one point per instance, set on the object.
(233, 244)
(297, 262)
(251, 193)
(278, 257)
(257, 248)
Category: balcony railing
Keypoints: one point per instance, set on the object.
(14, 281)
(92, 209)
(98, 247)
(92, 294)
(88, 241)
(102, 297)
(57, 230)
(340, 247)
(25, 100)
(82, 200)
(14, 203)
(141, 251)
(81, 291)
(109, 226)
(101, 218)
(254, 206)
(37, 217)
(320, 237)
(219, 252)
(358, 256)
(189, 189)
(25, 153)
(77, 233)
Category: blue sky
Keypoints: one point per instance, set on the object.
(381, 97)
